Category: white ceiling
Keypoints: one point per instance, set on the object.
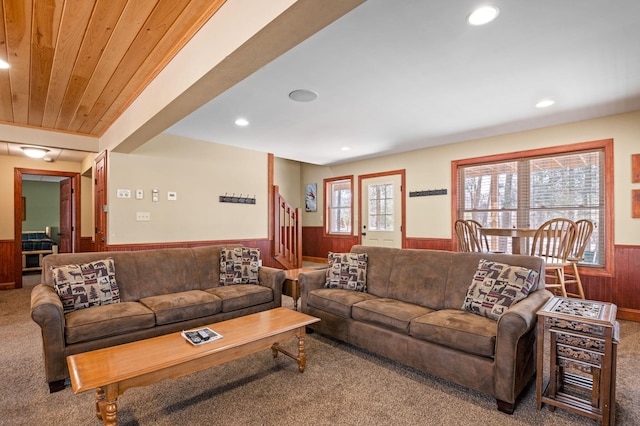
(53, 154)
(395, 76)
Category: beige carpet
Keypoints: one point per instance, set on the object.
(341, 386)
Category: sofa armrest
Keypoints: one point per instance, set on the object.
(515, 344)
(47, 312)
(272, 278)
(310, 280)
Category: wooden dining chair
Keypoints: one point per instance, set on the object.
(482, 239)
(584, 229)
(466, 237)
(553, 241)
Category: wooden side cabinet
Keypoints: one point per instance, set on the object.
(577, 349)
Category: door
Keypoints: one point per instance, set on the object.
(66, 217)
(382, 209)
(100, 201)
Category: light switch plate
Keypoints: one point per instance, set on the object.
(172, 196)
(143, 216)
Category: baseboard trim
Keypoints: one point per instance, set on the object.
(314, 259)
(8, 286)
(629, 314)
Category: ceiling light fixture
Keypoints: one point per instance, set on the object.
(545, 103)
(483, 15)
(242, 122)
(345, 148)
(303, 95)
(34, 152)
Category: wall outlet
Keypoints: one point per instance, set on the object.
(123, 193)
(139, 194)
(143, 216)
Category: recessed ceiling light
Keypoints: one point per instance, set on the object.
(545, 103)
(483, 15)
(242, 122)
(345, 148)
(34, 152)
(3, 65)
(303, 95)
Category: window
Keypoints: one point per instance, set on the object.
(524, 191)
(381, 207)
(338, 203)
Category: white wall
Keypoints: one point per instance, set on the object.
(199, 172)
(430, 217)
(286, 175)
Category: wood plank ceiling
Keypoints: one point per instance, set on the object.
(76, 65)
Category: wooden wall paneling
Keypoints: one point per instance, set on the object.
(316, 244)
(7, 270)
(87, 245)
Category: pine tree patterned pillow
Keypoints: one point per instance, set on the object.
(347, 271)
(88, 284)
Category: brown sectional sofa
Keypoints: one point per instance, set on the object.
(161, 291)
(412, 313)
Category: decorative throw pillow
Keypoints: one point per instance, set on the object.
(496, 287)
(88, 284)
(239, 265)
(347, 271)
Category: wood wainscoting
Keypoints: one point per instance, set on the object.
(7, 269)
(317, 245)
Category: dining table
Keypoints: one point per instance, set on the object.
(517, 236)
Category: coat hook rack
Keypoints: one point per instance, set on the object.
(428, 193)
(226, 198)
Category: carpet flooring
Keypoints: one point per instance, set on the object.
(341, 385)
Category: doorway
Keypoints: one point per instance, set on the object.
(69, 228)
(382, 209)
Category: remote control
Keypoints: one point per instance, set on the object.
(203, 334)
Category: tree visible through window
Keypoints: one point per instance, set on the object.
(381, 207)
(528, 191)
(338, 200)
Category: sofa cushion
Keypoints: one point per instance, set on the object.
(496, 286)
(239, 265)
(108, 320)
(241, 296)
(457, 329)
(347, 271)
(85, 285)
(336, 300)
(388, 313)
(186, 305)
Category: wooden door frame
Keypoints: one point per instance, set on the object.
(18, 213)
(402, 173)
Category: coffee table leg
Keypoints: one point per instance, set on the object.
(302, 358)
(106, 409)
(99, 398)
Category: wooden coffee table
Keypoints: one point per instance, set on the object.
(113, 370)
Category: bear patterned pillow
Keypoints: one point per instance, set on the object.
(347, 271)
(496, 287)
(239, 265)
(88, 284)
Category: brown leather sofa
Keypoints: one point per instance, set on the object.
(412, 313)
(161, 291)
